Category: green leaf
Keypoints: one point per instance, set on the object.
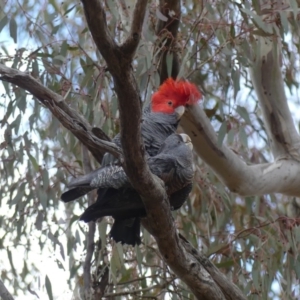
(3, 22)
(284, 21)
(45, 177)
(183, 63)
(294, 7)
(70, 9)
(89, 71)
(55, 29)
(64, 50)
(169, 61)
(48, 288)
(102, 232)
(33, 161)
(43, 198)
(242, 111)
(235, 76)
(16, 124)
(21, 101)
(120, 252)
(139, 258)
(13, 29)
(297, 267)
(243, 137)
(59, 264)
(11, 262)
(230, 136)
(113, 8)
(115, 264)
(225, 264)
(255, 275)
(257, 20)
(39, 220)
(19, 195)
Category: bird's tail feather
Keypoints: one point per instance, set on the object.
(126, 231)
(75, 193)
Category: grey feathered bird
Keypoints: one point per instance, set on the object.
(160, 119)
(173, 164)
(156, 127)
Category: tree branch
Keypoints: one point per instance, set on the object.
(119, 64)
(4, 293)
(269, 87)
(230, 290)
(67, 116)
(96, 19)
(130, 45)
(278, 177)
(183, 263)
(148, 186)
(116, 57)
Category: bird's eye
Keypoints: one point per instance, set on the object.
(170, 103)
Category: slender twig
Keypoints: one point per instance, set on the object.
(132, 41)
(132, 292)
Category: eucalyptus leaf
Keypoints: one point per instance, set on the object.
(13, 27)
(48, 287)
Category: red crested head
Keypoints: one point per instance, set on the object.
(174, 93)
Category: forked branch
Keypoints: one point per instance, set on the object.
(67, 116)
(149, 187)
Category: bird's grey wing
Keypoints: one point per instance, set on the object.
(75, 193)
(175, 171)
(85, 180)
(163, 166)
(105, 177)
(178, 198)
(79, 186)
(110, 177)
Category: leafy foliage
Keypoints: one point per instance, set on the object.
(249, 239)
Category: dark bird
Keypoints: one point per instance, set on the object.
(160, 119)
(173, 164)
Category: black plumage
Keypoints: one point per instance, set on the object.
(160, 120)
(173, 164)
(156, 127)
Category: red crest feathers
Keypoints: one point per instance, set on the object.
(173, 93)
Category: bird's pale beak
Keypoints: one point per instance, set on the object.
(187, 140)
(179, 112)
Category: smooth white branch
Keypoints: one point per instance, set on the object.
(269, 87)
(281, 176)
